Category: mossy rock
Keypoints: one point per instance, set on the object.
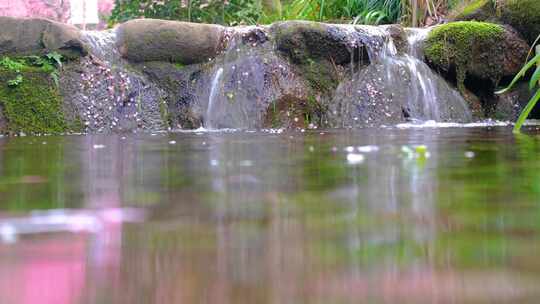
(34, 106)
(523, 15)
(483, 50)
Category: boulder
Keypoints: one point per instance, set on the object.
(304, 41)
(475, 49)
(162, 40)
(509, 105)
(21, 37)
(523, 15)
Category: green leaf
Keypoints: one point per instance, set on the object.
(535, 78)
(55, 58)
(15, 82)
(521, 73)
(526, 111)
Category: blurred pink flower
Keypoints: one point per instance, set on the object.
(57, 10)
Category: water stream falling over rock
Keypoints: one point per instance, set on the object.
(212, 98)
(396, 86)
(287, 75)
(106, 93)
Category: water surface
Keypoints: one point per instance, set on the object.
(398, 215)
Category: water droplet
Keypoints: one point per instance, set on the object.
(355, 159)
(469, 154)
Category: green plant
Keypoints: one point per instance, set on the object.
(533, 83)
(16, 81)
(49, 63)
(10, 64)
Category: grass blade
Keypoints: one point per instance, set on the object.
(525, 113)
(521, 73)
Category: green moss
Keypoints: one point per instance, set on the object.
(321, 75)
(35, 105)
(524, 15)
(463, 46)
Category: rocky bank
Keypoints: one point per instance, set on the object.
(159, 75)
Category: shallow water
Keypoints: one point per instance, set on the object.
(396, 215)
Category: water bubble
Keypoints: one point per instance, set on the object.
(368, 149)
(355, 159)
(8, 234)
(469, 154)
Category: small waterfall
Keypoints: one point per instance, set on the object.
(109, 94)
(212, 97)
(397, 85)
(103, 45)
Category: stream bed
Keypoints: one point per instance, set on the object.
(406, 214)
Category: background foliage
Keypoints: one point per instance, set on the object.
(234, 12)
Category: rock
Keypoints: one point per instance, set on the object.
(256, 90)
(179, 84)
(34, 106)
(399, 36)
(477, 49)
(161, 40)
(523, 15)
(21, 37)
(303, 41)
(64, 39)
(508, 106)
(106, 99)
(391, 92)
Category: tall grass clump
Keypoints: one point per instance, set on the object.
(534, 84)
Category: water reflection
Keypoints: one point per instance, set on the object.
(272, 218)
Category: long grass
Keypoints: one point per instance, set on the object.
(534, 83)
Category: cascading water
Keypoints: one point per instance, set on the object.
(251, 83)
(108, 94)
(396, 86)
(245, 79)
(212, 98)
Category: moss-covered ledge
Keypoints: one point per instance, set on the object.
(472, 48)
(34, 105)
